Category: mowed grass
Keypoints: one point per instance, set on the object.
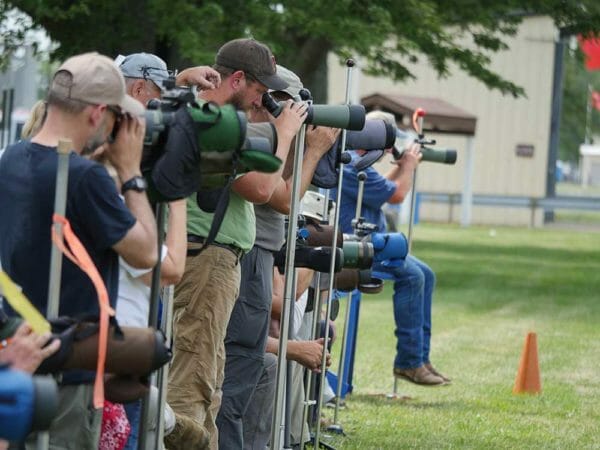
(493, 286)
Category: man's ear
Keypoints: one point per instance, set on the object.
(96, 114)
(137, 88)
(237, 79)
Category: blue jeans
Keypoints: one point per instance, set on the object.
(414, 282)
(134, 413)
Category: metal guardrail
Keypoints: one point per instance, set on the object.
(549, 203)
(558, 202)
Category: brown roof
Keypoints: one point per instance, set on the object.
(440, 116)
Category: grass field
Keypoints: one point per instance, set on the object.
(493, 287)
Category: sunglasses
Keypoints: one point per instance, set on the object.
(118, 119)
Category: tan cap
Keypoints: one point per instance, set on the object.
(95, 79)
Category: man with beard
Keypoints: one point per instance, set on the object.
(205, 296)
(86, 100)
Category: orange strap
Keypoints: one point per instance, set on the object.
(80, 257)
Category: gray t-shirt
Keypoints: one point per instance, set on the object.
(270, 228)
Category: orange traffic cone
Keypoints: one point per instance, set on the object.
(528, 376)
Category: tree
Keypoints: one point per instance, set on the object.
(389, 35)
(576, 97)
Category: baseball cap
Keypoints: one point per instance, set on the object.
(390, 119)
(252, 57)
(143, 65)
(294, 85)
(312, 205)
(95, 79)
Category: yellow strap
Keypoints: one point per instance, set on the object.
(22, 305)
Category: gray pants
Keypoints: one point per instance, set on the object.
(258, 417)
(245, 344)
(77, 424)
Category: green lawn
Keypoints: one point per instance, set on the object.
(493, 287)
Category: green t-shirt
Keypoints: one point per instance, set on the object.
(238, 227)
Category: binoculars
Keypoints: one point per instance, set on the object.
(348, 117)
(188, 145)
(26, 403)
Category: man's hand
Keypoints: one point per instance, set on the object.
(411, 157)
(202, 76)
(125, 153)
(308, 353)
(320, 139)
(289, 121)
(27, 350)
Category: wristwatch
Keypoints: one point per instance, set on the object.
(136, 183)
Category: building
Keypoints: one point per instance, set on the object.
(512, 137)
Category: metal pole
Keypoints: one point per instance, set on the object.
(276, 424)
(362, 176)
(287, 436)
(60, 205)
(153, 322)
(588, 114)
(336, 224)
(163, 372)
(411, 219)
(337, 427)
(316, 318)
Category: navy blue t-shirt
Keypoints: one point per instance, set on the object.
(97, 215)
(377, 191)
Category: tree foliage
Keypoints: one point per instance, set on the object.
(388, 35)
(576, 99)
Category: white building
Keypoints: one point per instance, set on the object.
(512, 136)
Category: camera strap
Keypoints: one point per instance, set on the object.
(222, 204)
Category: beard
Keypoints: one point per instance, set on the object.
(237, 100)
(96, 140)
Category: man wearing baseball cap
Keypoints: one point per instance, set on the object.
(145, 75)
(85, 100)
(247, 333)
(210, 285)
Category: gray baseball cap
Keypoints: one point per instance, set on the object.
(293, 81)
(143, 65)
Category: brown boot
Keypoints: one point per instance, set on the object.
(187, 434)
(429, 367)
(419, 375)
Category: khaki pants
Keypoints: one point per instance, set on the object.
(202, 307)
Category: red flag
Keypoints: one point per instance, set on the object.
(591, 49)
(595, 100)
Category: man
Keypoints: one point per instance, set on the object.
(145, 74)
(206, 295)
(85, 100)
(247, 333)
(414, 281)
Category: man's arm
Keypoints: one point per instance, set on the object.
(173, 266)
(307, 353)
(257, 187)
(318, 142)
(402, 172)
(139, 246)
(202, 76)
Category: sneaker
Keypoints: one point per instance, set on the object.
(419, 375)
(187, 434)
(429, 367)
